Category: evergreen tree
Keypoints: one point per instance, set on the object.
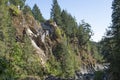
(105, 48)
(56, 13)
(27, 9)
(64, 55)
(115, 34)
(64, 16)
(69, 24)
(84, 34)
(68, 62)
(37, 14)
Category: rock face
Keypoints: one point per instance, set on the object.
(37, 33)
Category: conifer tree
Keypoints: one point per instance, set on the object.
(65, 57)
(115, 33)
(56, 13)
(69, 24)
(27, 9)
(84, 33)
(37, 14)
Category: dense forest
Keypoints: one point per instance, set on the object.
(33, 48)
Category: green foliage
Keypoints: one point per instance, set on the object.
(24, 63)
(96, 52)
(58, 33)
(37, 14)
(1, 36)
(69, 24)
(14, 10)
(6, 43)
(111, 42)
(65, 56)
(6, 28)
(84, 33)
(16, 59)
(56, 13)
(98, 75)
(27, 10)
(53, 67)
(4, 65)
(21, 3)
(68, 64)
(105, 48)
(32, 62)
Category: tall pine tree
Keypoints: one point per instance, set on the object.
(84, 33)
(115, 32)
(37, 14)
(69, 24)
(56, 13)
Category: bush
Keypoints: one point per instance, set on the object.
(14, 10)
(53, 67)
(58, 32)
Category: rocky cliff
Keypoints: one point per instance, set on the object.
(46, 39)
